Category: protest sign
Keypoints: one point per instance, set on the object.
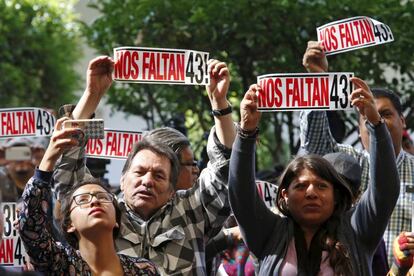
(315, 91)
(267, 192)
(12, 251)
(157, 65)
(26, 121)
(353, 33)
(117, 144)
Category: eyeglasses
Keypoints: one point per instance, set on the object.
(103, 197)
(191, 163)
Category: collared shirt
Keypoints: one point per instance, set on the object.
(316, 138)
(174, 237)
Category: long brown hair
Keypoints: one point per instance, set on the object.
(339, 257)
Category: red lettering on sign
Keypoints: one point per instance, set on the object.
(289, 90)
(151, 69)
(356, 33)
(180, 66)
(328, 35)
(6, 251)
(16, 123)
(367, 33)
(259, 190)
(118, 65)
(134, 62)
(94, 146)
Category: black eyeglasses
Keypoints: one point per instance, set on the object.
(191, 163)
(103, 197)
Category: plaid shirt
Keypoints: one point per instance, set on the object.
(174, 237)
(316, 138)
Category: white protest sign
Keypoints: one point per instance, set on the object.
(26, 121)
(267, 192)
(12, 251)
(117, 144)
(157, 65)
(315, 91)
(353, 33)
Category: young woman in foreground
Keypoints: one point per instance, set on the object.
(90, 221)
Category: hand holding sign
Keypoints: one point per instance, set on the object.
(249, 114)
(219, 84)
(99, 75)
(61, 139)
(363, 99)
(353, 33)
(314, 58)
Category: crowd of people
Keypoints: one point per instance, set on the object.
(340, 210)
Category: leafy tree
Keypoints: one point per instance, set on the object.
(38, 50)
(253, 37)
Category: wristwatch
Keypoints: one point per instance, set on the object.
(221, 112)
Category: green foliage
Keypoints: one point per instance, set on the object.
(38, 50)
(253, 37)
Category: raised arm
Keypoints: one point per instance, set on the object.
(34, 222)
(98, 81)
(217, 93)
(378, 201)
(315, 135)
(71, 167)
(255, 220)
(211, 188)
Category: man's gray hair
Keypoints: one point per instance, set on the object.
(170, 137)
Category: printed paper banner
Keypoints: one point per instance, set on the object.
(157, 65)
(117, 144)
(315, 91)
(353, 33)
(12, 251)
(26, 121)
(267, 192)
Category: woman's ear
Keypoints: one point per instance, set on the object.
(284, 194)
(116, 225)
(71, 229)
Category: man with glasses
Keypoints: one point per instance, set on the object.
(168, 227)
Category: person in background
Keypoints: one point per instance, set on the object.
(407, 143)
(22, 154)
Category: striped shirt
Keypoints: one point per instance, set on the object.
(316, 138)
(174, 238)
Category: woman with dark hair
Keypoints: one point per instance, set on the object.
(319, 234)
(90, 221)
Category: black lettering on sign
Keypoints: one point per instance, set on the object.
(334, 91)
(189, 72)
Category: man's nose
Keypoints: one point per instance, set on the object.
(147, 180)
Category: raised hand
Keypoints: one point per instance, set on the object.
(403, 249)
(314, 58)
(363, 99)
(219, 84)
(249, 115)
(99, 75)
(61, 139)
